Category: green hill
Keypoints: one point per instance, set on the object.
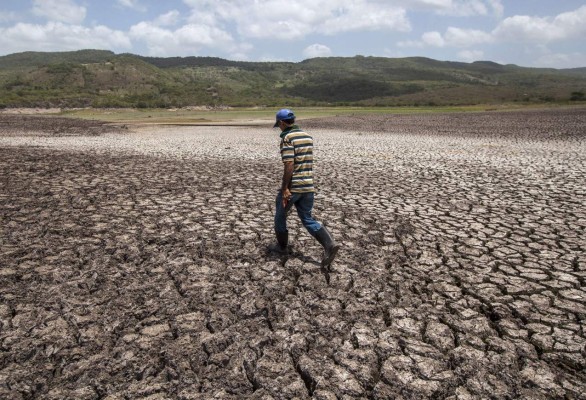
(104, 79)
(31, 59)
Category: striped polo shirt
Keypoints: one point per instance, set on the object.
(297, 146)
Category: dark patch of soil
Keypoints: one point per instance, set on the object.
(52, 126)
(526, 124)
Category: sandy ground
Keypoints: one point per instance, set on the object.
(134, 263)
(29, 111)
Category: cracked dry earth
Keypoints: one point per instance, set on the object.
(134, 265)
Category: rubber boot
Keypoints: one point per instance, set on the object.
(282, 242)
(330, 246)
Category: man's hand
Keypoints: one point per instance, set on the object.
(286, 196)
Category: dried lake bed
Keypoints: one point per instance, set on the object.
(134, 263)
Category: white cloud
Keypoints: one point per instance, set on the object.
(520, 28)
(317, 50)
(365, 17)
(169, 19)
(561, 60)
(286, 20)
(545, 57)
(282, 30)
(431, 4)
(203, 35)
(470, 55)
(132, 4)
(59, 10)
(454, 37)
(459, 8)
(56, 36)
(497, 7)
(155, 37)
(458, 37)
(207, 17)
(434, 39)
(186, 40)
(523, 28)
(466, 8)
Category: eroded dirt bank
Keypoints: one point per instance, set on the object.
(134, 264)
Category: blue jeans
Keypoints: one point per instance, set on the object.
(304, 205)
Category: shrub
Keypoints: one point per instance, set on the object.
(61, 68)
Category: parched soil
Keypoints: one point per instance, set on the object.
(134, 264)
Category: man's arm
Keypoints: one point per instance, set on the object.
(287, 176)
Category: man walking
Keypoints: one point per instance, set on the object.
(297, 186)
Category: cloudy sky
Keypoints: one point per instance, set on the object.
(534, 33)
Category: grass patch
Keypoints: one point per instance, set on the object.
(260, 115)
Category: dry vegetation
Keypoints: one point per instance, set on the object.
(133, 263)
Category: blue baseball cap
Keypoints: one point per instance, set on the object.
(283, 115)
